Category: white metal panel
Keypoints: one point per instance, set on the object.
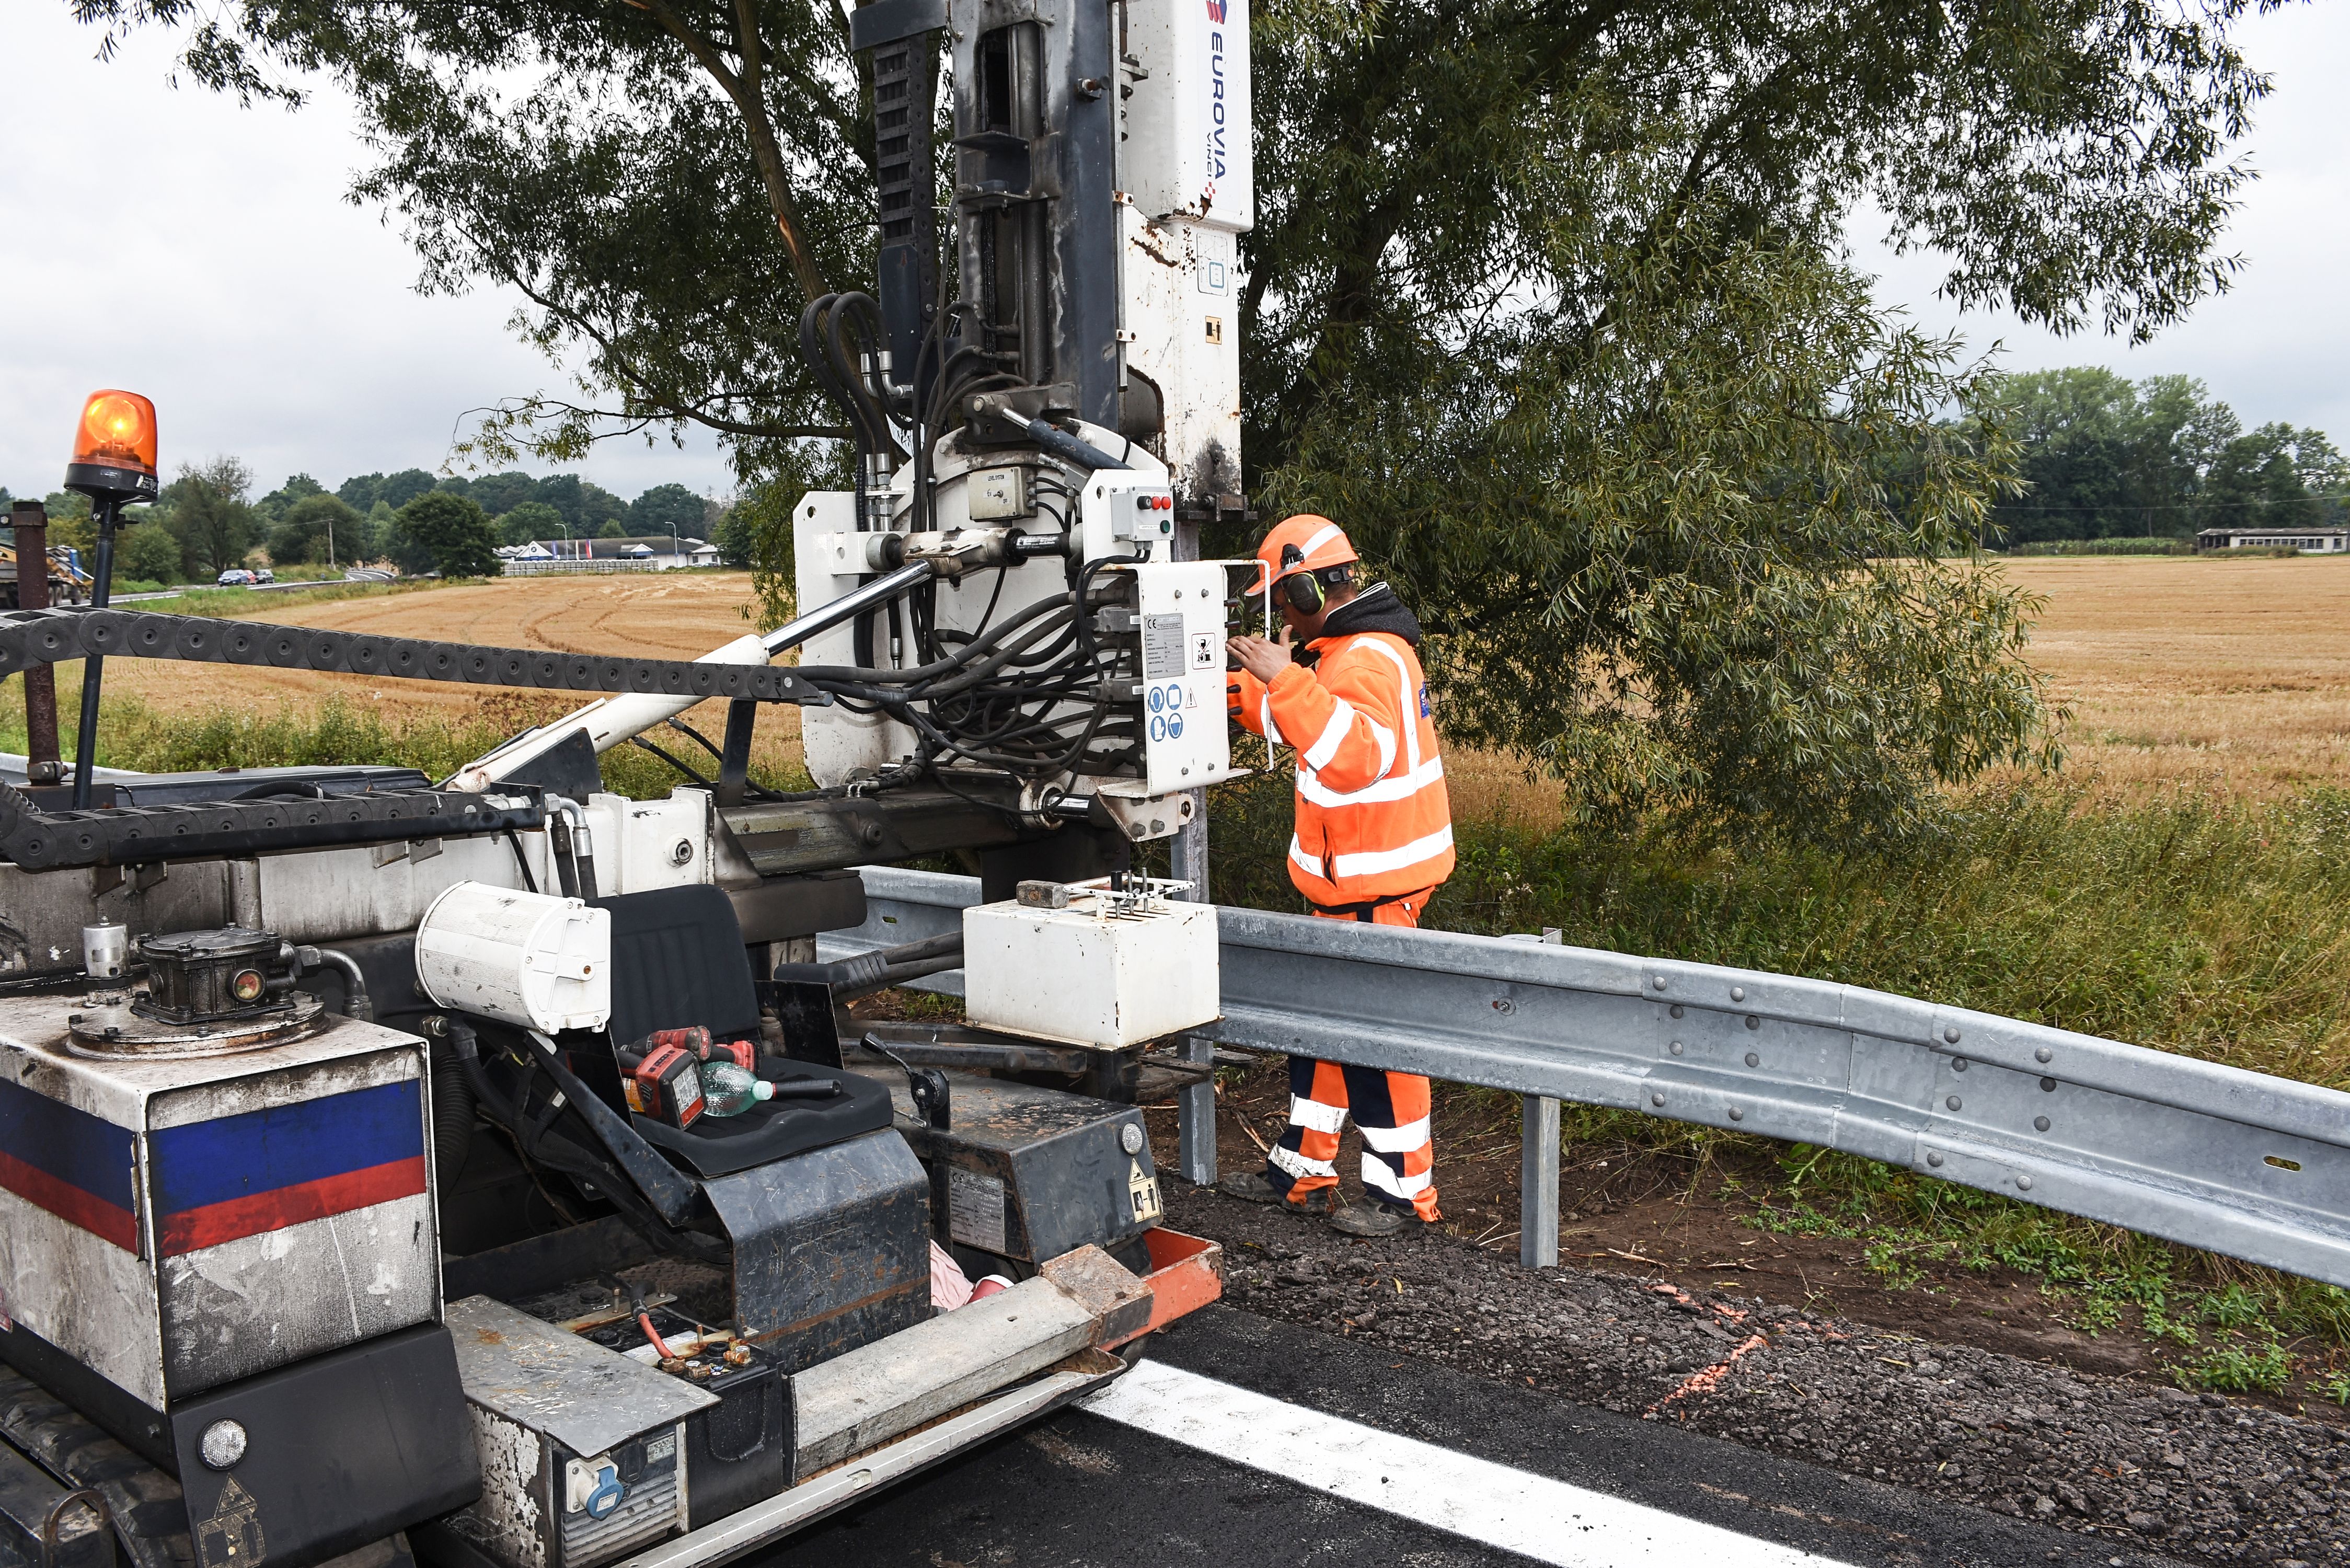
(328, 895)
(1188, 151)
(1186, 741)
(1180, 305)
(267, 1300)
(1116, 980)
(92, 1301)
(839, 744)
(641, 845)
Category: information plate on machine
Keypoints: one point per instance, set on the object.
(1185, 741)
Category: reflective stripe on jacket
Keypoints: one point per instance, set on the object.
(1373, 819)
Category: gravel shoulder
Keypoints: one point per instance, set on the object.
(2204, 1477)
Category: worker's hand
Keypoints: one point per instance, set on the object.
(1259, 658)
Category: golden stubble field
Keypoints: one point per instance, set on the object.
(2224, 676)
(672, 615)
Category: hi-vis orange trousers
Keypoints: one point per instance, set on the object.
(1390, 1111)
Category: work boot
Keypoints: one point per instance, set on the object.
(1369, 1217)
(1255, 1187)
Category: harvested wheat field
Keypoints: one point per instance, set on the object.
(2230, 676)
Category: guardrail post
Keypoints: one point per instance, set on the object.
(1538, 1183)
(1195, 1117)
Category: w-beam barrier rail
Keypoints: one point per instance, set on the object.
(2214, 1156)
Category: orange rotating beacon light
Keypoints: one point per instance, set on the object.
(114, 466)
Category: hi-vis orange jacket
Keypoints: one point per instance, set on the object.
(1373, 819)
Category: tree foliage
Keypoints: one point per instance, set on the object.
(148, 553)
(447, 533)
(318, 527)
(210, 513)
(2105, 458)
(665, 507)
(528, 521)
(1545, 300)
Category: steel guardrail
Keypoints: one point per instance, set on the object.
(2236, 1162)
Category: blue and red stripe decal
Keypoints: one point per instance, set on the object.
(262, 1171)
(78, 1167)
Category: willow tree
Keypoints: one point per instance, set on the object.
(1549, 300)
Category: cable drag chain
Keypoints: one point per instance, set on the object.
(32, 637)
(131, 835)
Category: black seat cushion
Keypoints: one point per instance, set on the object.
(677, 959)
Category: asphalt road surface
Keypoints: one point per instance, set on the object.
(1242, 1441)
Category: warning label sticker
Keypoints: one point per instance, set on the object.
(1162, 647)
(975, 1208)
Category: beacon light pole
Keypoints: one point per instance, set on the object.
(114, 466)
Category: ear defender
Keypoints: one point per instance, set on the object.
(1303, 589)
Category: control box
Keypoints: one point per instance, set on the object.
(1124, 966)
(1179, 609)
(1127, 511)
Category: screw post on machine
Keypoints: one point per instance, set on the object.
(29, 522)
(114, 466)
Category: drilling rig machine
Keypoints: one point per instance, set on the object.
(355, 1199)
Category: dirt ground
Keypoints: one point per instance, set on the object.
(1634, 1212)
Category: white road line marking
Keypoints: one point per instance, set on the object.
(1531, 1515)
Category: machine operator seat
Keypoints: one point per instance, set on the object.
(677, 959)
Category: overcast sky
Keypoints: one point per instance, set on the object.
(269, 319)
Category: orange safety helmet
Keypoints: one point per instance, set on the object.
(1297, 551)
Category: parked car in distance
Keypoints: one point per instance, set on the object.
(264, 574)
(235, 577)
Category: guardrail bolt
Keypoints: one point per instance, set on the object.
(2024, 1182)
(1677, 1010)
(1958, 1063)
(1935, 1160)
(1660, 982)
(2043, 1056)
(1737, 1115)
(2047, 1086)
(1952, 1102)
(1737, 994)
(1677, 1047)
(1951, 1034)
(1753, 1058)
(2039, 1124)
(1753, 1021)
(1657, 1100)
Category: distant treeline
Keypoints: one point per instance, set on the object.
(207, 520)
(2103, 457)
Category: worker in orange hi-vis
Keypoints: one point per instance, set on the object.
(1374, 838)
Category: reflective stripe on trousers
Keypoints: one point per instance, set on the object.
(1390, 1111)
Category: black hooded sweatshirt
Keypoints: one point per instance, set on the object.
(1376, 608)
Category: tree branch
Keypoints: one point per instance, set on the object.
(743, 88)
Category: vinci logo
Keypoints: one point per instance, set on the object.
(1216, 12)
